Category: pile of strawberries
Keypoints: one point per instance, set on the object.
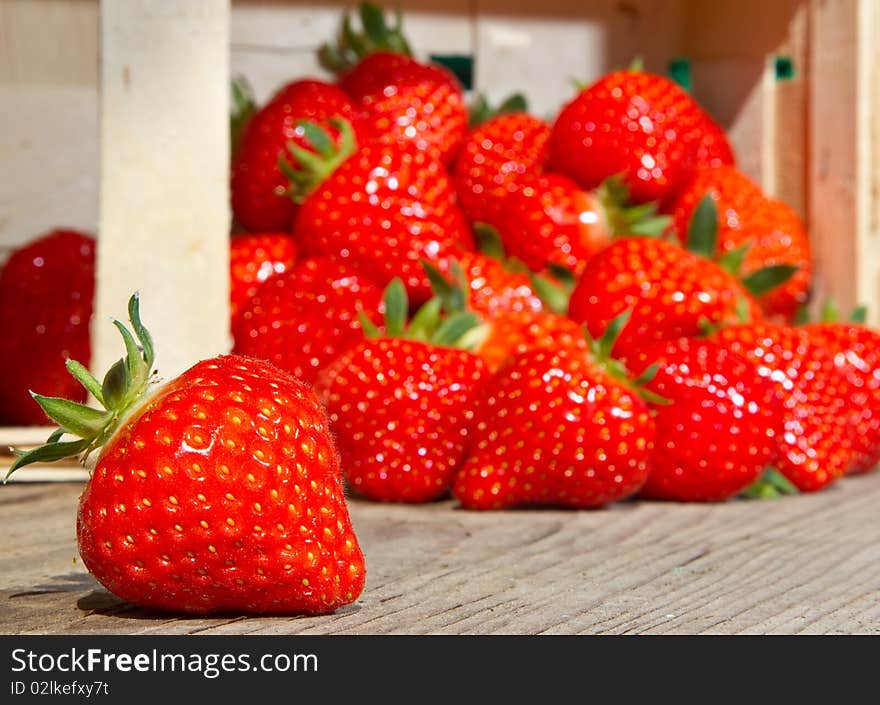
(516, 312)
(512, 310)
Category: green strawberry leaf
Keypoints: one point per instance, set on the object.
(396, 308)
(771, 485)
(75, 418)
(86, 379)
(453, 328)
(768, 278)
(605, 344)
(48, 453)
(732, 261)
(371, 331)
(702, 233)
(859, 315)
(426, 320)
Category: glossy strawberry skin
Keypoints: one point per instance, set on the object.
(495, 290)
(400, 99)
(304, 319)
(223, 494)
(775, 232)
(493, 161)
(514, 332)
(400, 412)
(46, 297)
(554, 429)
(718, 430)
(384, 210)
(258, 187)
(672, 293)
(549, 219)
(636, 124)
(856, 350)
(818, 440)
(252, 260)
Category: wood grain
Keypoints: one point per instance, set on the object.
(806, 564)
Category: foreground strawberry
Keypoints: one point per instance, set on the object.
(304, 319)
(219, 491)
(259, 186)
(400, 404)
(397, 98)
(562, 427)
(718, 427)
(252, 260)
(817, 445)
(46, 291)
(381, 208)
(639, 125)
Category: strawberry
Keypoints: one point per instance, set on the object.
(46, 292)
(639, 125)
(252, 260)
(397, 97)
(856, 351)
(304, 319)
(557, 427)
(218, 491)
(493, 160)
(260, 201)
(718, 427)
(383, 209)
(550, 221)
(770, 229)
(817, 444)
(400, 407)
(673, 293)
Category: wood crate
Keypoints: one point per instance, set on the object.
(115, 121)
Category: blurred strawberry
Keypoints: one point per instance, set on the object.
(639, 125)
(770, 230)
(397, 97)
(260, 201)
(252, 260)
(46, 292)
(383, 209)
(303, 319)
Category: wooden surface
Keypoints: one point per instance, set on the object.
(804, 564)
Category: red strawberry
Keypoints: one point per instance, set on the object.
(856, 350)
(550, 220)
(494, 159)
(816, 446)
(559, 427)
(260, 200)
(384, 209)
(397, 97)
(217, 492)
(252, 260)
(304, 319)
(772, 231)
(718, 427)
(637, 124)
(673, 293)
(46, 291)
(400, 408)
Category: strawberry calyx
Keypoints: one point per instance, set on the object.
(243, 108)
(830, 313)
(600, 350)
(481, 110)
(316, 164)
(623, 218)
(432, 323)
(123, 389)
(702, 240)
(376, 35)
(771, 485)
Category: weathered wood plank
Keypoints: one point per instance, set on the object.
(806, 564)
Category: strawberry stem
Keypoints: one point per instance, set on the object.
(124, 387)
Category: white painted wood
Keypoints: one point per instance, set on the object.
(49, 118)
(164, 209)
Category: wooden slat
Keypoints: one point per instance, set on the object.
(807, 564)
(164, 214)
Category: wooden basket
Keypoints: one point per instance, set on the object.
(144, 160)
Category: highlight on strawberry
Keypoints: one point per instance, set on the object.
(216, 491)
